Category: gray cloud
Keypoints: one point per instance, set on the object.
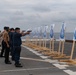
(34, 13)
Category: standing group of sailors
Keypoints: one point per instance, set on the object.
(11, 43)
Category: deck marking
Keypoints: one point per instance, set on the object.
(60, 66)
(70, 72)
(44, 57)
(34, 59)
(55, 63)
(18, 70)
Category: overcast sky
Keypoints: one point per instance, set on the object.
(34, 13)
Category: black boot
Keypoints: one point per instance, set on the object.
(18, 65)
(8, 62)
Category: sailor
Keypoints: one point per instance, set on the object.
(6, 45)
(17, 45)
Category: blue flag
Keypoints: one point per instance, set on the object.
(51, 32)
(45, 31)
(62, 32)
(74, 35)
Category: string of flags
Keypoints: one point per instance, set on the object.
(41, 32)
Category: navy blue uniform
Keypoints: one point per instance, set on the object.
(11, 37)
(11, 41)
(17, 46)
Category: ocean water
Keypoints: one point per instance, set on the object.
(68, 36)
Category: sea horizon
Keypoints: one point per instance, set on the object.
(68, 36)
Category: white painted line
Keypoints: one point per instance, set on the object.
(44, 57)
(24, 58)
(62, 63)
(52, 61)
(18, 70)
(55, 62)
(70, 72)
(33, 59)
(46, 60)
(60, 66)
(38, 54)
